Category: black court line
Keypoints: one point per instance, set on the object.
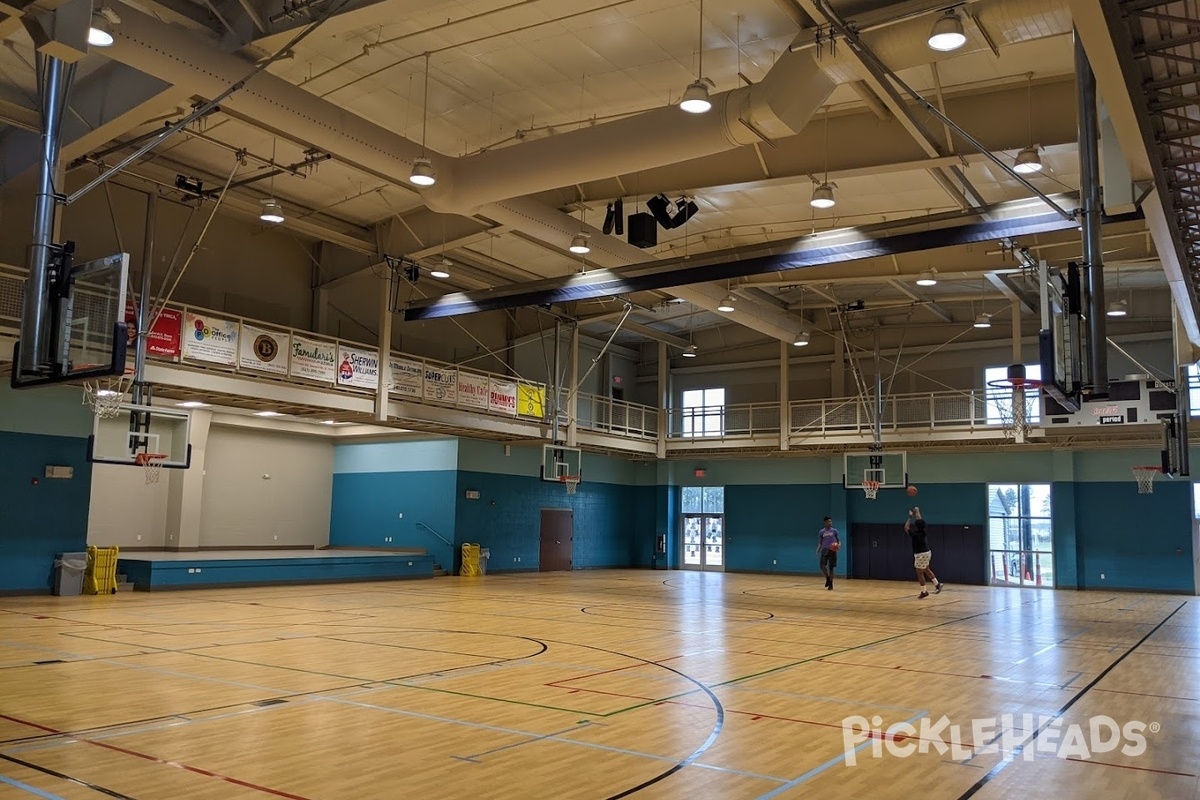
(1019, 749)
(61, 776)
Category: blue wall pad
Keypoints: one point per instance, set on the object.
(198, 573)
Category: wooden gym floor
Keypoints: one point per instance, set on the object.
(593, 685)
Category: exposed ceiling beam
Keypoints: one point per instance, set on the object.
(819, 249)
(629, 326)
(1028, 302)
(933, 307)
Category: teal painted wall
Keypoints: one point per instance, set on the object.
(38, 428)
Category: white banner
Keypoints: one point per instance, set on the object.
(263, 350)
(313, 361)
(358, 368)
(408, 378)
(472, 390)
(502, 397)
(441, 385)
(210, 339)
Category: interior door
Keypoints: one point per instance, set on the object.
(557, 536)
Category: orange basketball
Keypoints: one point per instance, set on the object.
(912, 491)
(835, 546)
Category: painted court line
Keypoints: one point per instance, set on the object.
(27, 788)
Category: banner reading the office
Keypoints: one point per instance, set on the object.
(441, 385)
(408, 378)
(502, 397)
(313, 360)
(472, 390)
(263, 350)
(210, 339)
(531, 400)
(358, 368)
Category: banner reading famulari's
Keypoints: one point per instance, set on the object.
(313, 360)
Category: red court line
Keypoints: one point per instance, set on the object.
(157, 760)
(1130, 766)
(944, 674)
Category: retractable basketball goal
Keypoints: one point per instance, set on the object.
(1145, 476)
(105, 395)
(1013, 402)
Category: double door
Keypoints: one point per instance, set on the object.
(704, 542)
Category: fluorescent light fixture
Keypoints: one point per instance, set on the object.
(983, 321)
(822, 196)
(192, 404)
(1117, 308)
(695, 98)
(947, 33)
(422, 172)
(928, 278)
(266, 413)
(1028, 161)
(579, 244)
(271, 212)
(802, 339)
(726, 305)
(690, 351)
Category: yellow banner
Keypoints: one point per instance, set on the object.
(531, 400)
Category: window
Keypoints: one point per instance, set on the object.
(703, 412)
(703, 499)
(1020, 534)
(999, 401)
(1193, 382)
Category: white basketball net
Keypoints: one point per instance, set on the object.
(1145, 478)
(153, 464)
(1014, 414)
(105, 396)
(571, 482)
(870, 489)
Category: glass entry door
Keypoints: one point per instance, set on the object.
(704, 541)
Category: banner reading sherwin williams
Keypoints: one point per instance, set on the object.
(164, 340)
(358, 368)
(313, 361)
(502, 397)
(263, 350)
(441, 385)
(531, 400)
(472, 390)
(408, 378)
(210, 339)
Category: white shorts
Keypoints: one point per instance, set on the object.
(921, 560)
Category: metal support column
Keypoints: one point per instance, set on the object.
(555, 384)
(1089, 176)
(383, 383)
(785, 412)
(35, 334)
(664, 398)
(1017, 357)
(573, 394)
(140, 390)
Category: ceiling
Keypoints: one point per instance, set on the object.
(577, 91)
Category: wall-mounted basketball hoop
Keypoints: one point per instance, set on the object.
(1145, 478)
(571, 482)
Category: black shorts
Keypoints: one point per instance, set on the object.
(829, 558)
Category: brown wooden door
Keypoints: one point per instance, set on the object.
(558, 531)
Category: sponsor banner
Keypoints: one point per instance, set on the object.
(313, 360)
(263, 350)
(441, 385)
(210, 339)
(502, 397)
(531, 400)
(408, 378)
(472, 390)
(358, 368)
(165, 340)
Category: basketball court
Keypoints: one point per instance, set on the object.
(520, 400)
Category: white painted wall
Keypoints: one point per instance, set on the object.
(241, 508)
(124, 508)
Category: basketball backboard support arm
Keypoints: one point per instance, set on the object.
(1059, 339)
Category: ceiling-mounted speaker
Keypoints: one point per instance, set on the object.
(643, 230)
(659, 206)
(687, 209)
(619, 212)
(609, 220)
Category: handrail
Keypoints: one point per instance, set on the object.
(435, 533)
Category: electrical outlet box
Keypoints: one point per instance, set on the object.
(1101, 576)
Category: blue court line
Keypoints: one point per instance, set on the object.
(815, 771)
(31, 789)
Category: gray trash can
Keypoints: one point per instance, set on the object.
(484, 555)
(68, 574)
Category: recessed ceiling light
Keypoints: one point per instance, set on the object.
(266, 413)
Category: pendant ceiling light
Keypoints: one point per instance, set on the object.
(1117, 308)
(726, 305)
(802, 339)
(928, 278)
(947, 33)
(822, 196)
(271, 212)
(422, 173)
(690, 351)
(695, 98)
(442, 270)
(579, 244)
(983, 321)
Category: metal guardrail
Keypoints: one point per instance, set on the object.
(594, 412)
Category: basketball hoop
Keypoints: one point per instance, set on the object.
(870, 489)
(153, 463)
(570, 481)
(1013, 406)
(1145, 478)
(105, 395)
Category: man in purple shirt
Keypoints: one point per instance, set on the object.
(828, 543)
